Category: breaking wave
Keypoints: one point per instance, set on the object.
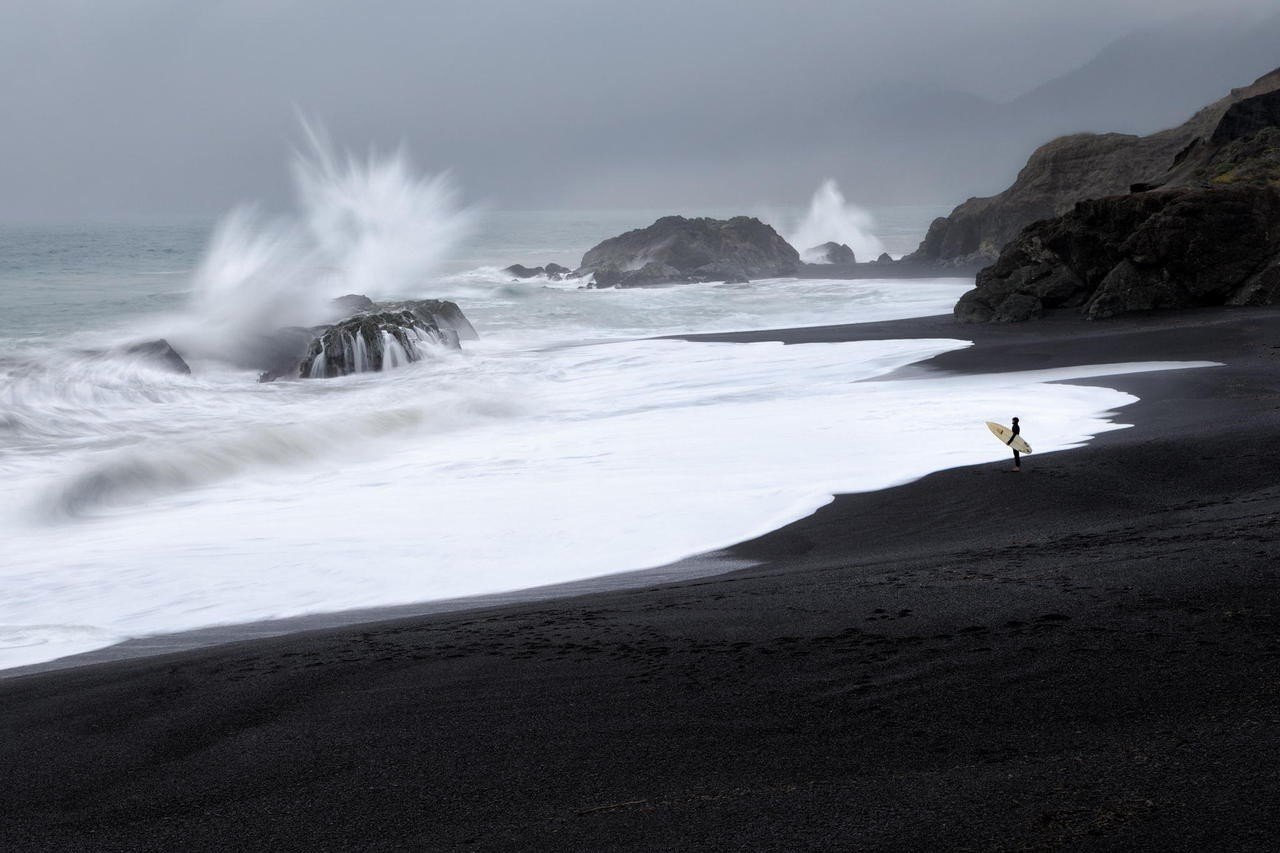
(374, 226)
(832, 219)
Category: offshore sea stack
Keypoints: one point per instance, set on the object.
(678, 250)
(1205, 231)
(1082, 166)
(831, 252)
(553, 272)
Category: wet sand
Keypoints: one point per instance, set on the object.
(1085, 655)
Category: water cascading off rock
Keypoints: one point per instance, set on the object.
(384, 338)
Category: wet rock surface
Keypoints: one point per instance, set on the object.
(831, 253)
(390, 336)
(553, 271)
(1180, 248)
(676, 250)
(382, 336)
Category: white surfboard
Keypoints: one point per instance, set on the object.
(1004, 434)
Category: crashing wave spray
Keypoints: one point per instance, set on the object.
(373, 226)
(831, 218)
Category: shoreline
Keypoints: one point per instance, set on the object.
(1086, 653)
(693, 567)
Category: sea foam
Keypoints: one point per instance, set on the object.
(566, 443)
(587, 460)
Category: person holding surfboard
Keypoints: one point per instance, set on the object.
(1017, 459)
(1012, 439)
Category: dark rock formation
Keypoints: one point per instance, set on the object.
(729, 273)
(555, 272)
(1175, 248)
(651, 273)
(1244, 148)
(447, 316)
(521, 271)
(830, 253)
(367, 342)
(676, 250)
(1246, 117)
(386, 335)
(1083, 166)
(160, 353)
(390, 336)
(884, 258)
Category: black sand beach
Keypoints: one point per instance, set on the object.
(1082, 656)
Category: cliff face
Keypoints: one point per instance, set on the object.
(1178, 248)
(1084, 166)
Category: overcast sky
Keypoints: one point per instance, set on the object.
(142, 108)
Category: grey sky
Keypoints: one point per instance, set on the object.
(139, 108)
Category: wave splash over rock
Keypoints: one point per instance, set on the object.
(385, 338)
(831, 219)
(373, 226)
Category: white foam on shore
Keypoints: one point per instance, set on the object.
(501, 468)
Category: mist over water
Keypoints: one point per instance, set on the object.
(830, 218)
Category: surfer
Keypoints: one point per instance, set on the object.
(1017, 459)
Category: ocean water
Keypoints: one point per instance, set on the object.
(567, 442)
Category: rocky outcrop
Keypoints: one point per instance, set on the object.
(1084, 166)
(555, 272)
(1243, 148)
(1172, 248)
(446, 314)
(384, 336)
(521, 271)
(830, 253)
(678, 250)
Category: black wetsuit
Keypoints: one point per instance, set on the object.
(1017, 458)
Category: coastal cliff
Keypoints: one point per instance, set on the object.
(1085, 166)
(1205, 231)
(1179, 248)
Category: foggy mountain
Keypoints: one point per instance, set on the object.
(947, 146)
